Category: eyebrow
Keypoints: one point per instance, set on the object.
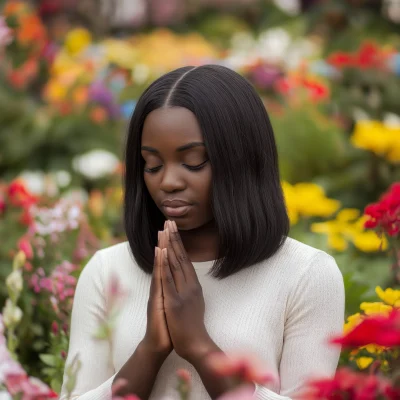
(181, 148)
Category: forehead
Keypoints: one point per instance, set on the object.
(174, 125)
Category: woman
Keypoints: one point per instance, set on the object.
(204, 206)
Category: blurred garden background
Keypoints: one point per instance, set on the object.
(71, 72)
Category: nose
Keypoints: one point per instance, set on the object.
(172, 180)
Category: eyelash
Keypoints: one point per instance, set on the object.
(189, 167)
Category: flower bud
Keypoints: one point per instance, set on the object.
(14, 282)
(11, 314)
(19, 260)
(54, 328)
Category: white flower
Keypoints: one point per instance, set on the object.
(11, 314)
(95, 164)
(5, 396)
(14, 281)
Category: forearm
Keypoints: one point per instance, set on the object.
(214, 384)
(140, 372)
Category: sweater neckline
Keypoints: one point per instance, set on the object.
(203, 265)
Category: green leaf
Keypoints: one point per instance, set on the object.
(48, 359)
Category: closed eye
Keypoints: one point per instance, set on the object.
(196, 167)
(189, 167)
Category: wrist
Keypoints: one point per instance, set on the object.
(201, 350)
(151, 353)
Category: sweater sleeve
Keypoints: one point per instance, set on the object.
(315, 312)
(95, 377)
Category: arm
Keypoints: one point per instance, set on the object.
(146, 363)
(315, 313)
(94, 379)
(214, 384)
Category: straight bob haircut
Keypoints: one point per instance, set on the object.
(247, 198)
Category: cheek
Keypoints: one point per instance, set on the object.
(150, 184)
(204, 186)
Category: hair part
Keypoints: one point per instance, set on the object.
(247, 198)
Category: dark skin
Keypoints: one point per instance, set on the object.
(176, 168)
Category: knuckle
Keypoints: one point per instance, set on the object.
(182, 258)
(170, 279)
(176, 304)
(176, 266)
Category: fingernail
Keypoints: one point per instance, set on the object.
(167, 233)
(165, 223)
(159, 237)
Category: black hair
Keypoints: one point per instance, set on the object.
(247, 198)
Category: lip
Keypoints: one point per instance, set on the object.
(174, 203)
(176, 211)
(175, 207)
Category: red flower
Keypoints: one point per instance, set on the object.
(25, 246)
(19, 196)
(341, 59)
(385, 215)
(368, 56)
(347, 384)
(2, 205)
(378, 329)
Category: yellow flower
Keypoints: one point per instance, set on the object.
(374, 348)
(345, 227)
(364, 362)
(389, 296)
(307, 199)
(369, 241)
(352, 322)
(376, 308)
(77, 40)
(379, 138)
(121, 53)
(54, 91)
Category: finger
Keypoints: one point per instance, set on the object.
(156, 285)
(175, 265)
(162, 240)
(180, 253)
(167, 279)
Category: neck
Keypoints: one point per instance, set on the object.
(201, 243)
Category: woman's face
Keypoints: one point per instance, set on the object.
(177, 172)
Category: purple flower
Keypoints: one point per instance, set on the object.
(100, 94)
(264, 75)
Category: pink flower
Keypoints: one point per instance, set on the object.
(245, 367)
(183, 374)
(5, 33)
(25, 246)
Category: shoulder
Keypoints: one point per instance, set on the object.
(310, 270)
(114, 260)
(118, 253)
(299, 265)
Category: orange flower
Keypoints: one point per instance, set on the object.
(31, 30)
(80, 95)
(98, 115)
(21, 77)
(13, 7)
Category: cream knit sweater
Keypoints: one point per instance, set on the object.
(283, 310)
